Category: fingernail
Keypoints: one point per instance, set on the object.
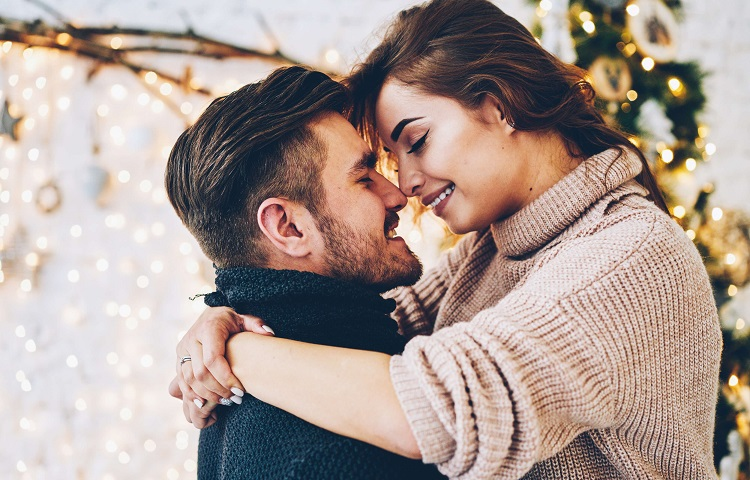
(237, 391)
(198, 403)
(269, 329)
(236, 399)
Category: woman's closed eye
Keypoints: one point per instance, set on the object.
(419, 143)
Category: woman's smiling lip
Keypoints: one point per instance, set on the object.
(428, 199)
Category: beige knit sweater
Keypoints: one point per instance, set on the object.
(577, 339)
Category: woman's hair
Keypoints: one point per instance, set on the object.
(465, 49)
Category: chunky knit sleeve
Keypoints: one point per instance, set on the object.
(614, 331)
(417, 305)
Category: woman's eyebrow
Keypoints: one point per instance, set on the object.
(400, 127)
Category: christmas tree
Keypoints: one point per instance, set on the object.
(629, 50)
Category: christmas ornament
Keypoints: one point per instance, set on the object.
(611, 3)
(654, 29)
(8, 123)
(611, 78)
(48, 197)
(96, 183)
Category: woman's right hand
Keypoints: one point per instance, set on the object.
(206, 378)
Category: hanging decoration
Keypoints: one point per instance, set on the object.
(9, 123)
(612, 4)
(654, 29)
(48, 197)
(611, 78)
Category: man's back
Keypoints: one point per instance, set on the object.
(255, 440)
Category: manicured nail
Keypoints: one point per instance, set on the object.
(269, 329)
(237, 391)
(198, 403)
(236, 399)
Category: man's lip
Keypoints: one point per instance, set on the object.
(427, 200)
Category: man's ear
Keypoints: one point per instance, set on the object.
(287, 225)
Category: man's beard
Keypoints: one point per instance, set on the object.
(360, 258)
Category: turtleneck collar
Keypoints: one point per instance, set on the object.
(309, 307)
(553, 211)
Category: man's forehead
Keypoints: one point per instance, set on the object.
(346, 151)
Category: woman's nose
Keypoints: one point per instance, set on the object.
(410, 181)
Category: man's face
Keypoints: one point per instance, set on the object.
(359, 218)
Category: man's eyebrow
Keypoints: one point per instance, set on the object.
(366, 161)
(400, 127)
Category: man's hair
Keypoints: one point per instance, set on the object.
(253, 144)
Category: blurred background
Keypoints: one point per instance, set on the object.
(96, 271)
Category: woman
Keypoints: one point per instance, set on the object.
(571, 334)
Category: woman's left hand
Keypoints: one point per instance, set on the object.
(204, 378)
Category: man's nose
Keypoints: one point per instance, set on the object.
(393, 198)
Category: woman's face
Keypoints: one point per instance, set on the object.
(465, 164)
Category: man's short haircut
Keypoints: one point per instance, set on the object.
(253, 144)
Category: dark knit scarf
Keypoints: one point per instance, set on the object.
(311, 308)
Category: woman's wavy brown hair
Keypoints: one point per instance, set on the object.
(465, 49)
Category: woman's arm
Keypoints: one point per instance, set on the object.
(417, 305)
(346, 391)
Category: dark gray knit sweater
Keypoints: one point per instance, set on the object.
(258, 441)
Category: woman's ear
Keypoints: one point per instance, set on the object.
(287, 225)
(492, 112)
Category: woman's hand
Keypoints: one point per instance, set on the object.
(204, 378)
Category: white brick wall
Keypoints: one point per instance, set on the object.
(47, 431)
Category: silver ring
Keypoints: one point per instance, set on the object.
(185, 359)
(225, 401)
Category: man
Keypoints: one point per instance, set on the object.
(282, 195)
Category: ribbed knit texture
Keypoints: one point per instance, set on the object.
(577, 339)
(255, 440)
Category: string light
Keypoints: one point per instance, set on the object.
(63, 103)
(679, 211)
(67, 72)
(118, 92)
(732, 290)
(740, 324)
(733, 381)
(690, 164)
(74, 276)
(151, 78)
(633, 9)
(116, 43)
(648, 63)
(717, 213)
(667, 155)
(64, 39)
(676, 87)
